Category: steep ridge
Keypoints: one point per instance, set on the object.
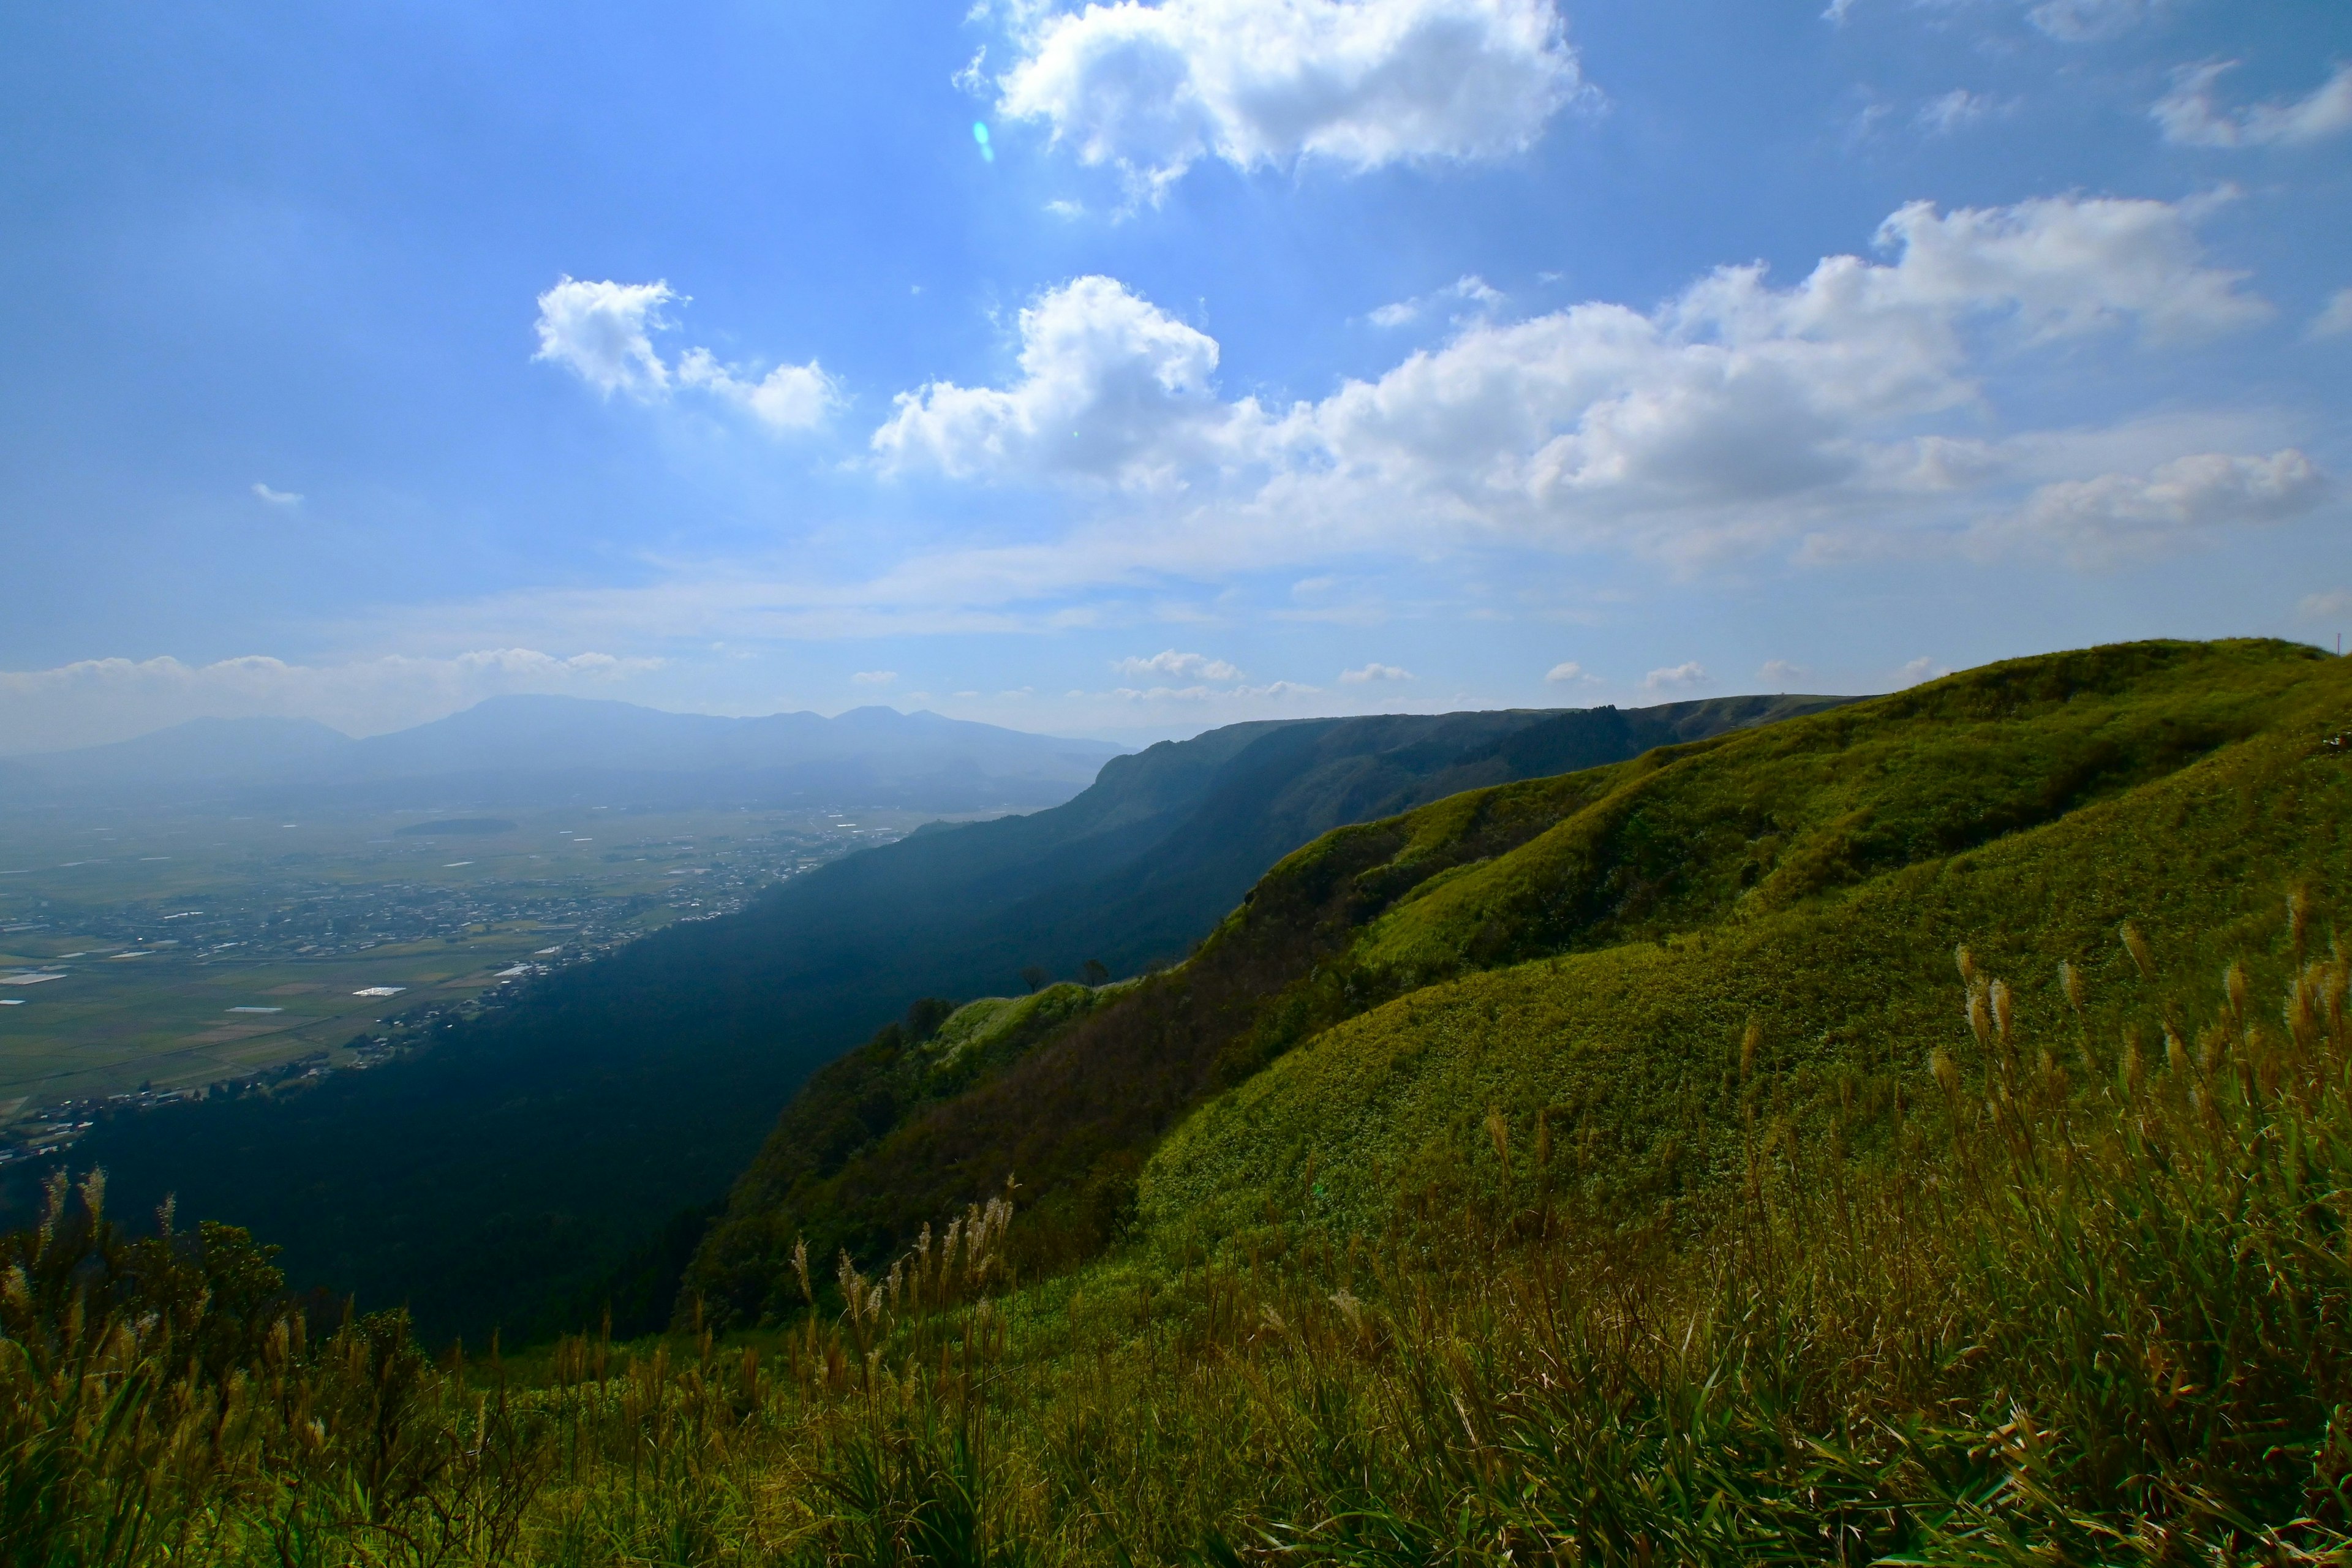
(518, 1163)
(1465, 939)
(2185, 790)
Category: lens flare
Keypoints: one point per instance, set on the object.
(979, 134)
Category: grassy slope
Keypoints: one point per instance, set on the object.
(1814, 879)
(1747, 842)
(1075, 1122)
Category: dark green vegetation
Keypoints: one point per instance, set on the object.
(1917, 1133)
(536, 1160)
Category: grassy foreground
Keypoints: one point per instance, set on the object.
(2095, 1304)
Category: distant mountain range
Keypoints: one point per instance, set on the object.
(527, 751)
(514, 1166)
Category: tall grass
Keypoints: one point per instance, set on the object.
(2089, 1303)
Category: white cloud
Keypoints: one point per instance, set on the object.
(1173, 666)
(285, 499)
(789, 397)
(1678, 428)
(874, 677)
(1567, 673)
(1470, 288)
(970, 80)
(2334, 604)
(1111, 389)
(2067, 264)
(2335, 318)
(603, 332)
(2191, 117)
(1956, 111)
(1675, 678)
(1920, 670)
(1675, 427)
(102, 699)
(2121, 516)
(1373, 672)
(1152, 89)
(1782, 670)
(1276, 692)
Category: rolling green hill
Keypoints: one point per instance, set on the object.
(1584, 954)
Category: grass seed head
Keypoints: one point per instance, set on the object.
(2069, 981)
(1941, 1069)
(1748, 1042)
(1968, 963)
(2136, 945)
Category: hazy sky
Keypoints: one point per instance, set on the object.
(1131, 369)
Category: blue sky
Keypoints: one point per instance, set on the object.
(1273, 357)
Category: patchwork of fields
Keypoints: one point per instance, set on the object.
(149, 954)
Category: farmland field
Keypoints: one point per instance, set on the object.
(185, 950)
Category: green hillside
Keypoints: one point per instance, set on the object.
(1813, 876)
(2025, 812)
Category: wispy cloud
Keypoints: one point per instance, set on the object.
(1174, 665)
(100, 699)
(1919, 669)
(1676, 677)
(286, 498)
(1957, 109)
(2191, 117)
(1373, 672)
(603, 333)
(2335, 318)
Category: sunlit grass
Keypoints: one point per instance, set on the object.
(2087, 1301)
